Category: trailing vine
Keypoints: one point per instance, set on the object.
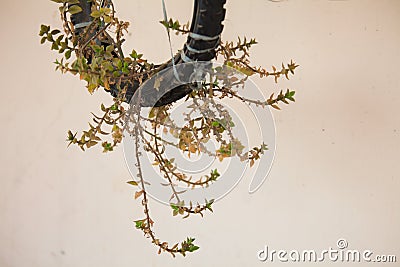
(95, 54)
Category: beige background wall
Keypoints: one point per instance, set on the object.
(336, 172)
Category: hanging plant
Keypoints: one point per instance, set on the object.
(91, 47)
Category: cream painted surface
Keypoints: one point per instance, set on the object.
(336, 172)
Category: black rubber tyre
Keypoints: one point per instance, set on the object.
(206, 27)
(207, 20)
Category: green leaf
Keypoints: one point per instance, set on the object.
(97, 48)
(110, 48)
(134, 183)
(125, 70)
(215, 124)
(74, 9)
(114, 107)
(139, 224)
(44, 29)
(54, 32)
(165, 23)
(96, 14)
(119, 64)
(289, 95)
(105, 10)
(152, 113)
(193, 248)
(107, 147)
(174, 207)
(71, 136)
(50, 38)
(135, 55)
(54, 46)
(208, 205)
(68, 54)
(107, 19)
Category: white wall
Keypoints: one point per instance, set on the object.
(336, 172)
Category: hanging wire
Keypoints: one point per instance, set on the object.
(169, 40)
